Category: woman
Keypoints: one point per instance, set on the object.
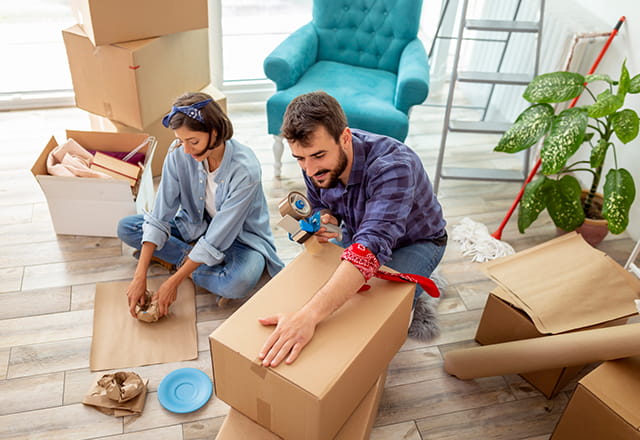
(210, 218)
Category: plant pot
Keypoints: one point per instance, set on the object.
(592, 230)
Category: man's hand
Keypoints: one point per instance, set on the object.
(288, 339)
(323, 234)
(135, 293)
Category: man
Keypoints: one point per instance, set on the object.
(377, 190)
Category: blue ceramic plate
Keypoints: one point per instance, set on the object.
(184, 390)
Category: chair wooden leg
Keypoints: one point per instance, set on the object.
(278, 149)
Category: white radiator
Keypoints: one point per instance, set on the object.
(563, 21)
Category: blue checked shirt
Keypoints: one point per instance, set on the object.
(388, 202)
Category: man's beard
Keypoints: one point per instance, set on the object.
(334, 174)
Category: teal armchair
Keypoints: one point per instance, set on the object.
(365, 53)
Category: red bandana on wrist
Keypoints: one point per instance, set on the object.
(367, 263)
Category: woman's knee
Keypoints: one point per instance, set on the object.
(130, 229)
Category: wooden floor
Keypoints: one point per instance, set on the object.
(47, 284)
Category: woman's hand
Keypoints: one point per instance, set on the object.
(135, 293)
(166, 295)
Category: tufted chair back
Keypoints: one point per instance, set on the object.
(365, 33)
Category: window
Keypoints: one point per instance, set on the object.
(251, 29)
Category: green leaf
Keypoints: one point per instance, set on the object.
(605, 104)
(625, 125)
(532, 204)
(554, 87)
(619, 193)
(634, 84)
(625, 81)
(563, 203)
(599, 77)
(598, 153)
(531, 125)
(565, 137)
(588, 137)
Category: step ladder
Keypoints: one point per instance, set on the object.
(492, 79)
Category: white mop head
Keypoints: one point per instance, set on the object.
(475, 240)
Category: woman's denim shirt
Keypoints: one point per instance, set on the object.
(241, 208)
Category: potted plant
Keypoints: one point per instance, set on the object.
(595, 126)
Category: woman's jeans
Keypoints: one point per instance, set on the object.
(234, 277)
(419, 258)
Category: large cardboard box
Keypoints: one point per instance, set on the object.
(559, 286)
(163, 134)
(135, 83)
(313, 397)
(605, 405)
(90, 206)
(358, 426)
(502, 322)
(117, 21)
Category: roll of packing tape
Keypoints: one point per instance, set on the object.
(295, 205)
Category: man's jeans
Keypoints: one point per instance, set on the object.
(232, 278)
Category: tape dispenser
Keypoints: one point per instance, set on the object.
(297, 219)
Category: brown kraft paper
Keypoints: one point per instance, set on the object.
(545, 353)
(122, 341)
(565, 284)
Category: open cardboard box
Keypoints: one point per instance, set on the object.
(116, 21)
(163, 134)
(358, 426)
(605, 405)
(135, 82)
(90, 206)
(313, 397)
(582, 288)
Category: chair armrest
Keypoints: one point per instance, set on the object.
(413, 76)
(291, 58)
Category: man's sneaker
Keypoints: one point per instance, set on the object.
(170, 267)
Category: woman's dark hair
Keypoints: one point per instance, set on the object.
(306, 112)
(215, 119)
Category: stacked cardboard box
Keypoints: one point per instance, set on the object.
(324, 392)
(130, 60)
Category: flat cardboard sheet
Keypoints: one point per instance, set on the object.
(121, 341)
(544, 353)
(566, 284)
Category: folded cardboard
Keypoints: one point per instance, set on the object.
(502, 322)
(237, 426)
(135, 82)
(558, 286)
(163, 135)
(88, 206)
(116, 168)
(116, 21)
(565, 284)
(605, 405)
(313, 397)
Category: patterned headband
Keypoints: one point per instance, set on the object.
(192, 110)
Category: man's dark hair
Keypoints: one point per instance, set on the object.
(213, 115)
(307, 112)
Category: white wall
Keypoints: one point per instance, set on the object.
(625, 45)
